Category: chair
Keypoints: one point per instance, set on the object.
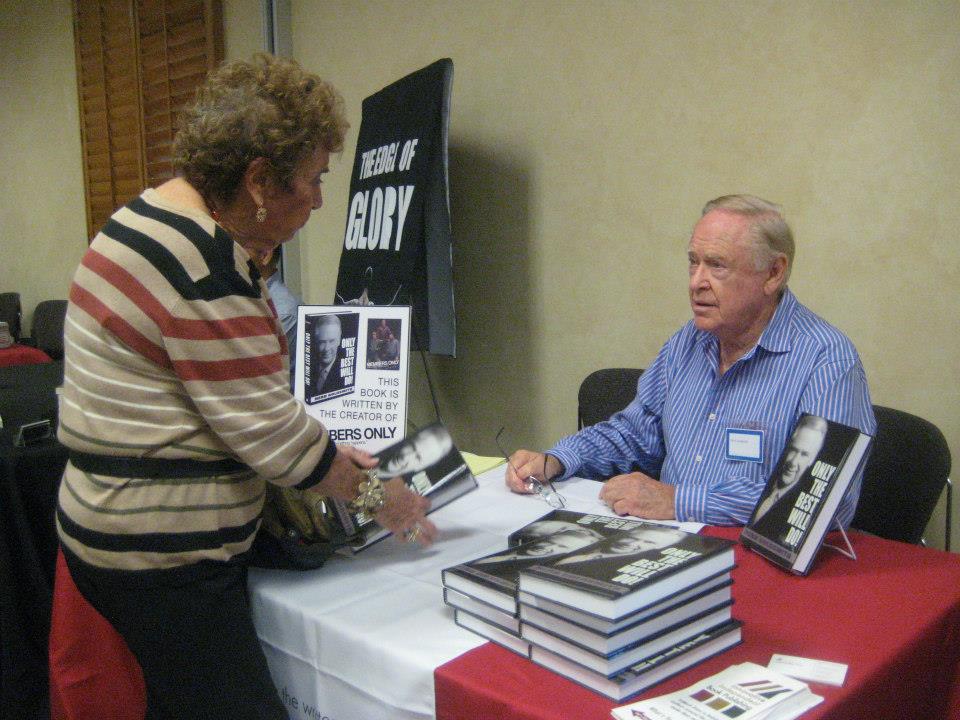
(46, 329)
(904, 478)
(29, 478)
(604, 392)
(10, 312)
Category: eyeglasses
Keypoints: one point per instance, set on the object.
(544, 488)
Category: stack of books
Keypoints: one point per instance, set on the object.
(614, 604)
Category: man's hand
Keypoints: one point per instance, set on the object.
(404, 511)
(640, 495)
(524, 463)
(346, 473)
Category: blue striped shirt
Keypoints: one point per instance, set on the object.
(676, 427)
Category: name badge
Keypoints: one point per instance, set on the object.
(745, 445)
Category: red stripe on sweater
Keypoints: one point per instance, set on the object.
(222, 370)
(170, 325)
(117, 326)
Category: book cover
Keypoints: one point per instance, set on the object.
(429, 463)
(598, 527)
(649, 671)
(621, 575)
(493, 578)
(797, 507)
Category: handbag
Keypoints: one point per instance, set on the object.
(298, 531)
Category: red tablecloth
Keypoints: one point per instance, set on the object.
(22, 355)
(893, 616)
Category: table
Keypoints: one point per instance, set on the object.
(369, 637)
(359, 639)
(893, 616)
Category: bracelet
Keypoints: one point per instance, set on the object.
(370, 497)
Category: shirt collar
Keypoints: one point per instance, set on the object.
(775, 336)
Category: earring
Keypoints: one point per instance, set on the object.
(261, 214)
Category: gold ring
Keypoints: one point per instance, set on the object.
(413, 533)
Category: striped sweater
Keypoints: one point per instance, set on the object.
(174, 353)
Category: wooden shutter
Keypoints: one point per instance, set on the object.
(138, 63)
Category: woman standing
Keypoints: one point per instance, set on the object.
(176, 404)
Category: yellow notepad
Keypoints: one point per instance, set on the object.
(479, 464)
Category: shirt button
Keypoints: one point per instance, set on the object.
(712, 417)
(699, 458)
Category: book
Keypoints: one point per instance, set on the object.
(645, 624)
(607, 627)
(596, 527)
(429, 463)
(800, 500)
(616, 577)
(610, 664)
(649, 671)
(495, 616)
(491, 632)
(746, 691)
(493, 578)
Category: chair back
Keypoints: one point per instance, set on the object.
(47, 327)
(604, 392)
(10, 313)
(904, 477)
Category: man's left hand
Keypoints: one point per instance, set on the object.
(639, 495)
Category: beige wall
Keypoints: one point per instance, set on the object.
(585, 136)
(43, 225)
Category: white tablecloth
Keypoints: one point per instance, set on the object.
(359, 639)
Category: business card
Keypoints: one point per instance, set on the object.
(808, 669)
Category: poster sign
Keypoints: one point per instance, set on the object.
(397, 247)
(352, 371)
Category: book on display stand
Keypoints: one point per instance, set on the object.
(799, 503)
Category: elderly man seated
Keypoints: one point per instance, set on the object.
(713, 412)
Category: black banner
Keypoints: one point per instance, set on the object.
(397, 245)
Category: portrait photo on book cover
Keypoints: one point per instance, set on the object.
(330, 355)
(426, 461)
(383, 343)
(811, 442)
(606, 557)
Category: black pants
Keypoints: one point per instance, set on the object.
(195, 642)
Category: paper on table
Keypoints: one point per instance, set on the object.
(583, 495)
(746, 691)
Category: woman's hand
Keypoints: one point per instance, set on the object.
(404, 513)
(346, 473)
